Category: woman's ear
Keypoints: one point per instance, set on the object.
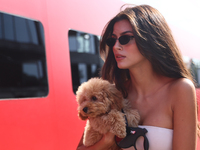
(81, 116)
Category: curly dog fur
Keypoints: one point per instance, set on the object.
(100, 103)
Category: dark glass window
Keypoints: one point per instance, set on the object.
(23, 70)
(84, 56)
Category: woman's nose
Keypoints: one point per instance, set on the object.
(117, 46)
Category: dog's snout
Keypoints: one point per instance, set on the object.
(85, 109)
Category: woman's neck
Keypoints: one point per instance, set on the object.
(145, 82)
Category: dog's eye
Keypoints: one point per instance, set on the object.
(94, 98)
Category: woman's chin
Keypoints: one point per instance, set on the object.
(122, 66)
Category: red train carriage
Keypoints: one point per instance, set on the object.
(47, 49)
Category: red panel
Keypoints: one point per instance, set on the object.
(51, 123)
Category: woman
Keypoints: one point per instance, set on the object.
(142, 59)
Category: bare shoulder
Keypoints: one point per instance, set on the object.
(183, 84)
(182, 91)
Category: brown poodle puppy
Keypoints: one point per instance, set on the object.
(101, 103)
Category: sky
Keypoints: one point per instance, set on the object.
(183, 14)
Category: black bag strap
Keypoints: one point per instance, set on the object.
(125, 118)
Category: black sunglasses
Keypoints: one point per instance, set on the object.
(124, 39)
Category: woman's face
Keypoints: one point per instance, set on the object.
(128, 55)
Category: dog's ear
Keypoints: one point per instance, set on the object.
(115, 96)
(81, 116)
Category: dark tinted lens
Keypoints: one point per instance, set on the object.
(124, 39)
(110, 42)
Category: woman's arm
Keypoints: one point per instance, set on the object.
(104, 144)
(184, 108)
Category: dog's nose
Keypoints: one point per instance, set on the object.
(85, 109)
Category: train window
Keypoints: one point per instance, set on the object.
(84, 56)
(22, 58)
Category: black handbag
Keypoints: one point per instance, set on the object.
(132, 134)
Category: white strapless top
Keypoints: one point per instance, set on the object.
(159, 139)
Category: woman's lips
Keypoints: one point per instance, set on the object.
(119, 57)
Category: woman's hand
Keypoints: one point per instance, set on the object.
(108, 140)
(105, 143)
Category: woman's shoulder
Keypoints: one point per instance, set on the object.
(182, 85)
(182, 91)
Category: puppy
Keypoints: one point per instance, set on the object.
(101, 103)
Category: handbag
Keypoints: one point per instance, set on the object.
(132, 134)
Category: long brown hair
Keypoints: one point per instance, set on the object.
(154, 41)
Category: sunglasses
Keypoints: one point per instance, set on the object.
(133, 133)
(124, 39)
